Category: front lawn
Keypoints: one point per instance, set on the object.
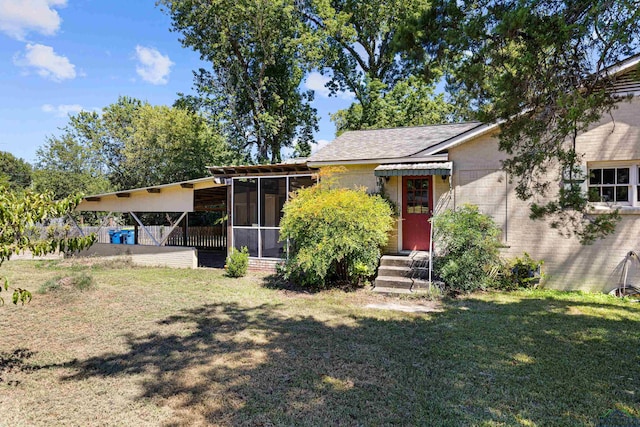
(149, 346)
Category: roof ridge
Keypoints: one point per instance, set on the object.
(412, 127)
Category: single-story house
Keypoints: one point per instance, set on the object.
(426, 169)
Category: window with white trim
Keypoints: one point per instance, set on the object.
(614, 184)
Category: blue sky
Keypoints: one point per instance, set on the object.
(60, 56)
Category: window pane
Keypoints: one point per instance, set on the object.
(595, 176)
(607, 194)
(410, 184)
(245, 201)
(425, 184)
(608, 176)
(245, 237)
(594, 194)
(271, 248)
(423, 201)
(273, 194)
(299, 182)
(622, 194)
(623, 175)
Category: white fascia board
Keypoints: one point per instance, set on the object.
(410, 159)
(207, 179)
(623, 66)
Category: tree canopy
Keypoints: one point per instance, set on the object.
(257, 52)
(411, 102)
(540, 67)
(64, 166)
(15, 173)
(131, 144)
(357, 40)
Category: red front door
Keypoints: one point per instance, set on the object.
(416, 211)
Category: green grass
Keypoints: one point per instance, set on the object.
(192, 347)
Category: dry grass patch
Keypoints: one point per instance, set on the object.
(152, 346)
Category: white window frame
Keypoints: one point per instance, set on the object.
(634, 181)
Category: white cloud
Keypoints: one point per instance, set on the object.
(320, 144)
(317, 82)
(153, 66)
(47, 63)
(18, 17)
(62, 110)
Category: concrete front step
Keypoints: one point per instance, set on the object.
(395, 261)
(381, 290)
(405, 260)
(419, 286)
(393, 282)
(394, 271)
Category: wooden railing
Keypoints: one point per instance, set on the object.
(200, 237)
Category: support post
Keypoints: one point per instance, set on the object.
(76, 224)
(144, 228)
(173, 227)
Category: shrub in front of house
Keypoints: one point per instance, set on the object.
(521, 272)
(468, 243)
(335, 235)
(238, 262)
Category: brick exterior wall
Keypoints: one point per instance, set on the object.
(568, 265)
(150, 256)
(264, 265)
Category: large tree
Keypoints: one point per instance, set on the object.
(64, 166)
(171, 144)
(131, 144)
(14, 172)
(540, 67)
(411, 102)
(359, 41)
(257, 51)
(363, 51)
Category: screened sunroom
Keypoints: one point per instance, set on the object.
(257, 195)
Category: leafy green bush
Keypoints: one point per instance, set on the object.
(521, 273)
(238, 262)
(335, 235)
(468, 245)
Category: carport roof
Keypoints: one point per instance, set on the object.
(173, 197)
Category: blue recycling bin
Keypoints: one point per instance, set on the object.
(115, 237)
(128, 237)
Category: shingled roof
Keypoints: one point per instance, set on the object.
(392, 143)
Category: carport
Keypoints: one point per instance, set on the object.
(182, 224)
